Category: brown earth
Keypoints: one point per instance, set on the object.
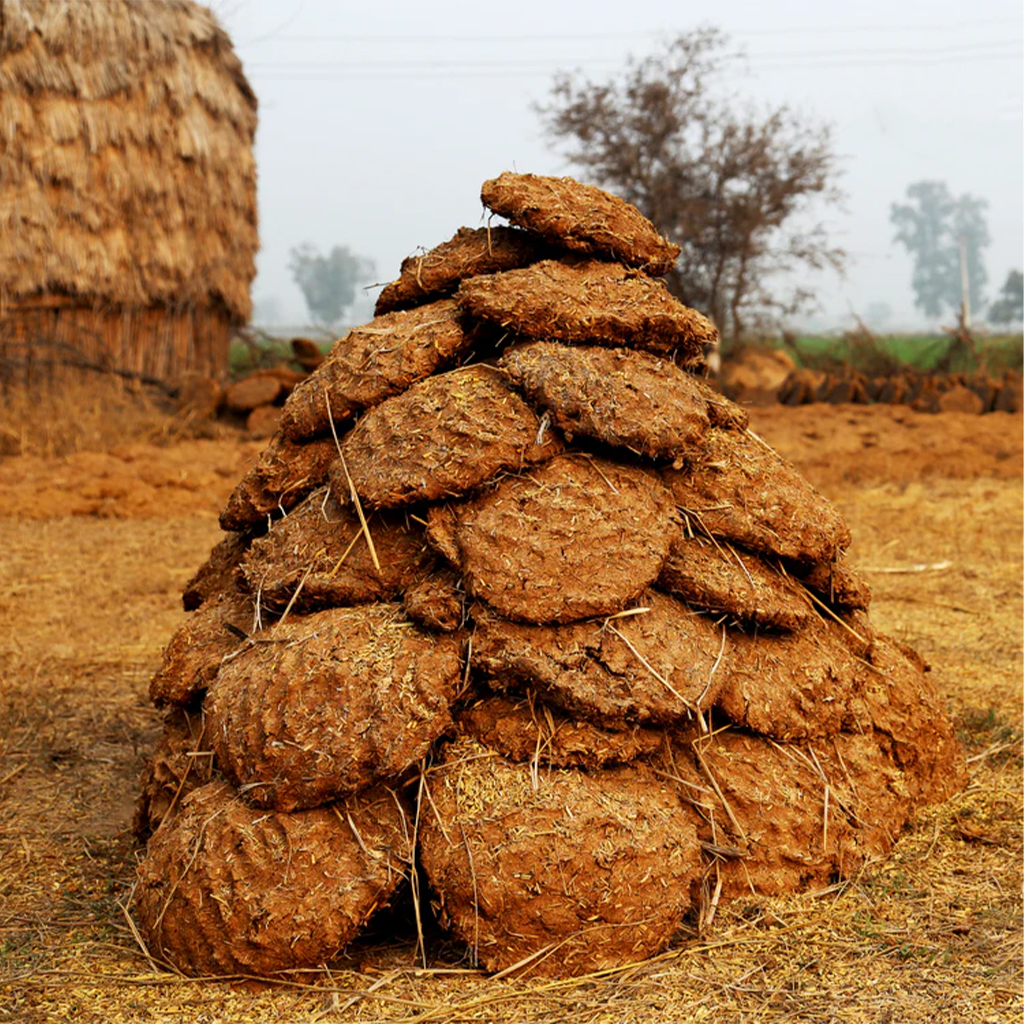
(97, 547)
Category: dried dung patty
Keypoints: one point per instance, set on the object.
(471, 252)
(869, 787)
(581, 218)
(372, 363)
(252, 392)
(442, 438)
(437, 601)
(228, 889)
(901, 702)
(657, 667)
(263, 422)
(192, 657)
(575, 538)
(722, 411)
(838, 584)
(741, 490)
(623, 398)
(526, 730)
(717, 577)
(792, 686)
(584, 302)
(318, 557)
(587, 870)
(789, 812)
(285, 473)
(181, 762)
(220, 573)
(329, 703)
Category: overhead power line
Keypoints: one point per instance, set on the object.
(529, 67)
(433, 38)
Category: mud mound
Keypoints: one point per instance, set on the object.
(440, 439)
(219, 573)
(192, 658)
(571, 592)
(794, 686)
(469, 253)
(742, 491)
(525, 730)
(318, 557)
(718, 578)
(588, 302)
(227, 889)
(330, 703)
(656, 666)
(579, 872)
(371, 363)
(285, 473)
(181, 763)
(538, 547)
(625, 399)
(581, 218)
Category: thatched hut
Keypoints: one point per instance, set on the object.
(127, 188)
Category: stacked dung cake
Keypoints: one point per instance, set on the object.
(516, 600)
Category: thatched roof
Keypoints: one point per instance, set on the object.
(126, 167)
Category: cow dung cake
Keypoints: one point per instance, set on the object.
(515, 605)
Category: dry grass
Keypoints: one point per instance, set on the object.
(933, 934)
(94, 414)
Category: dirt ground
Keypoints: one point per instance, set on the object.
(94, 550)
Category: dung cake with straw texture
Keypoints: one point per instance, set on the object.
(512, 570)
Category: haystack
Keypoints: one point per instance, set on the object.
(511, 562)
(128, 192)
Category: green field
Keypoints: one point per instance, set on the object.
(880, 354)
(874, 355)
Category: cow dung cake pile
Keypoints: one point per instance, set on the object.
(517, 621)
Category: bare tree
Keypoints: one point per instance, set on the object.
(732, 188)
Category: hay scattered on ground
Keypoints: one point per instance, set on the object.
(933, 934)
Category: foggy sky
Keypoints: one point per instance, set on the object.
(379, 120)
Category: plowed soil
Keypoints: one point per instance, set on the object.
(97, 546)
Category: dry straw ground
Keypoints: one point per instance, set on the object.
(94, 548)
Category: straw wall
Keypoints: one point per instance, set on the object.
(45, 342)
(127, 183)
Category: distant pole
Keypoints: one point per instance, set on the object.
(965, 286)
